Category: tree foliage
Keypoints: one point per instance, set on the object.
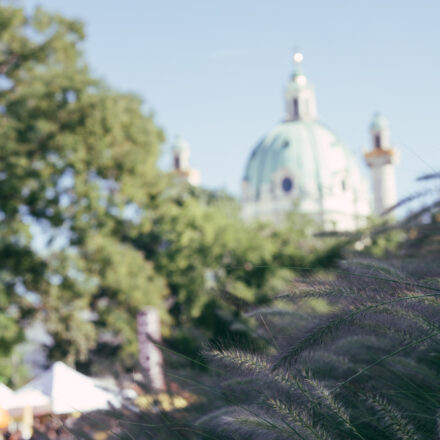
(74, 156)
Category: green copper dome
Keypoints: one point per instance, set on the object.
(298, 150)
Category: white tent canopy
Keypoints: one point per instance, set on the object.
(39, 402)
(5, 392)
(66, 390)
(6, 395)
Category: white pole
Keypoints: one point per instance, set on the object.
(150, 356)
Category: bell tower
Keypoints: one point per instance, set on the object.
(381, 160)
(181, 167)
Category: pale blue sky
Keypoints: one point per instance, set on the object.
(214, 71)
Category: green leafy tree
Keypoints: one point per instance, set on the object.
(218, 267)
(75, 156)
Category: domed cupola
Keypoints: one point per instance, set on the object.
(300, 95)
(301, 163)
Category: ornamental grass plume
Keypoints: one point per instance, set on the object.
(368, 368)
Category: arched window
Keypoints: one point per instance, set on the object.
(176, 162)
(295, 108)
(377, 141)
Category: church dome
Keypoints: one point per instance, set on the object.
(302, 163)
(307, 153)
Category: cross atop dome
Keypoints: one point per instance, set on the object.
(297, 58)
(297, 69)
